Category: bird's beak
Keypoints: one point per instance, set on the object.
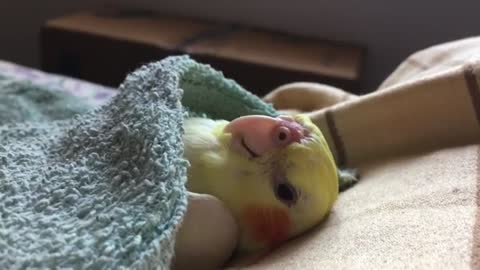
(256, 135)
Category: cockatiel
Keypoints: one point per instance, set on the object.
(277, 176)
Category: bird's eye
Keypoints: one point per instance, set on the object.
(286, 193)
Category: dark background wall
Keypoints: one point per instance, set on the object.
(391, 30)
(20, 22)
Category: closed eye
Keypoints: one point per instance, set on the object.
(250, 151)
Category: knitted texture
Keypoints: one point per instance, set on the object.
(104, 189)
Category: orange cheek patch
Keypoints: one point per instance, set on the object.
(267, 224)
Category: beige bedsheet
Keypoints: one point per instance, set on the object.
(415, 142)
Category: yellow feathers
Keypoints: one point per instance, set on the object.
(275, 194)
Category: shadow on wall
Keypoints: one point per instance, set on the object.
(390, 31)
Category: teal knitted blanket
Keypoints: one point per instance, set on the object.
(103, 188)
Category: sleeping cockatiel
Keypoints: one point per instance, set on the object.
(276, 176)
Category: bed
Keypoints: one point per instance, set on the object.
(415, 143)
(93, 93)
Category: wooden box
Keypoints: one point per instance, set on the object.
(103, 48)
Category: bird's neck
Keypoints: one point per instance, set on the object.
(204, 151)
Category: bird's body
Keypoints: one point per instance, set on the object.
(276, 175)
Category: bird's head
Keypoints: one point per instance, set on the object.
(279, 177)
